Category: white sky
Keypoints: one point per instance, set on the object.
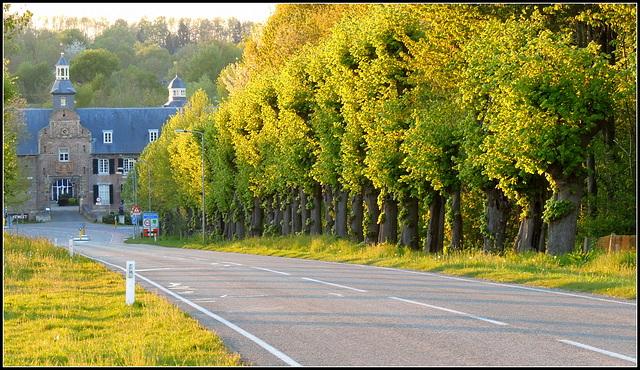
(133, 12)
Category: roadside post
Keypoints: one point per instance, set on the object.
(71, 247)
(131, 283)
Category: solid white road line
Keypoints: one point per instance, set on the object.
(231, 325)
(609, 353)
(337, 285)
(448, 310)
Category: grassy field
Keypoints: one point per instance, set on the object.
(611, 274)
(63, 311)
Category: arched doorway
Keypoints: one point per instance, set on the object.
(62, 186)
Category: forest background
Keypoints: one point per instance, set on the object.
(433, 126)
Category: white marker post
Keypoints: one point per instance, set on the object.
(71, 247)
(131, 282)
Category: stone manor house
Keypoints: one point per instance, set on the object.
(86, 152)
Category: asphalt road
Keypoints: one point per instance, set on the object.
(281, 311)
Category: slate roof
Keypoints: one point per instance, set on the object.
(130, 127)
(62, 87)
(177, 83)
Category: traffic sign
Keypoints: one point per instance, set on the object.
(98, 200)
(134, 209)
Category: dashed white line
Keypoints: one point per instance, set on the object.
(274, 271)
(449, 310)
(603, 351)
(337, 285)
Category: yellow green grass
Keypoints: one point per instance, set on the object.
(63, 311)
(611, 274)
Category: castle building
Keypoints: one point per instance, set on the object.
(86, 153)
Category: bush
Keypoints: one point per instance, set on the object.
(111, 219)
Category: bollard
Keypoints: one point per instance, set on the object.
(71, 247)
(116, 220)
(55, 242)
(131, 282)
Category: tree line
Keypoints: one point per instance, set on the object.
(122, 64)
(433, 126)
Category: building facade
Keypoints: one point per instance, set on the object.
(86, 153)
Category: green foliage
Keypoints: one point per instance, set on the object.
(556, 209)
(86, 66)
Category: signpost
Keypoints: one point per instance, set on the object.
(135, 215)
(150, 223)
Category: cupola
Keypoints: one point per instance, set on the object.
(62, 90)
(177, 92)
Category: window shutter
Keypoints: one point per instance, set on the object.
(95, 193)
(112, 168)
(110, 193)
(120, 164)
(95, 166)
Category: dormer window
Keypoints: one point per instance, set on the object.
(107, 136)
(153, 135)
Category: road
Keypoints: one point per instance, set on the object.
(278, 311)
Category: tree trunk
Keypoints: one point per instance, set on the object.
(239, 219)
(592, 189)
(355, 218)
(304, 211)
(271, 216)
(257, 217)
(285, 207)
(497, 213)
(409, 233)
(296, 217)
(389, 224)
(316, 210)
(328, 210)
(456, 222)
(434, 242)
(530, 230)
(562, 231)
(341, 198)
(370, 195)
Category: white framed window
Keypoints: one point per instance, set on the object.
(63, 101)
(103, 166)
(107, 136)
(127, 164)
(103, 193)
(153, 135)
(63, 154)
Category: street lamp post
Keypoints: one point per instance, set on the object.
(203, 216)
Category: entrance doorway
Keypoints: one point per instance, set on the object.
(62, 186)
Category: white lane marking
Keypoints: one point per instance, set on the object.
(231, 325)
(613, 354)
(158, 269)
(497, 284)
(337, 285)
(274, 271)
(449, 310)
(233, 263)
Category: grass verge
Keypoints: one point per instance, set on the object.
(611, 274)
(63, 311)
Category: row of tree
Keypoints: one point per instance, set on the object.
(114, 65)
(383, 121)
